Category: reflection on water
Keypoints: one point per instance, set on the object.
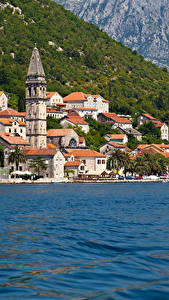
(99, 241)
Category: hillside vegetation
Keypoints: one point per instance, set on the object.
(76, 56)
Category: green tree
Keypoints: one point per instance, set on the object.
(17, 157)
(38, 165)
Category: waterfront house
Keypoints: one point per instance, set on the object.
(94, 162)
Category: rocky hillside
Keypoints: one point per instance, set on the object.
(139, 24)
(76, 56)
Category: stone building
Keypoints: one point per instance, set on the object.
(36, 102)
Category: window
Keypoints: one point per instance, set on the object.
(21, 130)
(82, 168)
(15, 130)
(72, 143)
(9, 129)
(20, 168)
(103, 161)
(99, 161)
(84, 161)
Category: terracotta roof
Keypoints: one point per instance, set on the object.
(76, 120)
(10, 112)
(86, 108)
(85, 153)
(51, 146)
(116, 136)
(53, 110)
(10, 121)
(4, 133)
(116, 145)
(14, 140)
(1, 92)
(141, 146)
(79, 96)
(166, 154)
(40, 152)
(158, 123)
(114, 117)
(76, 96)
(50, 94)
(58, 132)
(75, 163)
(148, 116)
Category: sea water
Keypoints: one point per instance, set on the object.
(84, 241)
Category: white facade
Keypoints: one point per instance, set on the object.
(3, 101)
(53, 99)
(13, 127)
(80, 100)
(87, 112)
(117, 138)
(164, 132)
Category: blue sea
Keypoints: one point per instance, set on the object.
(84, 241)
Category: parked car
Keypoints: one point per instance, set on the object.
(130, 177)
(121, 177)
(139, 177)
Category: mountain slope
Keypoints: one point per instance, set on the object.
(139, 24)
(76, 56)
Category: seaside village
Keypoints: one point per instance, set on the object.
(63, 152)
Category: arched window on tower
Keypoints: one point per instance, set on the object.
(35, 91)
(29, 92)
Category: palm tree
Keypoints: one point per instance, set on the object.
(38, 165)
(17, 157)
(125, 161)
(115, 162)
(142, 166)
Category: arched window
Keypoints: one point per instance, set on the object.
(29, 92)
(72, 143)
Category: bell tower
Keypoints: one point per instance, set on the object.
(36, 102)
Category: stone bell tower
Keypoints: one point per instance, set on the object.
(36, 102)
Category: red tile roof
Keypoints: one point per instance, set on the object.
(1, 92)
(51, 146)
(115, 118)
(53, 110)
(40, 152)
(116, 145)
(14, 140)
(10, 112)
(76, 120)
(86, 108)
(50, 94)
(148, 116)
(79, 96)
(158, 123)
(116, 136)
(75, 163)
(58, 132)
(85, 153)
(10, 121)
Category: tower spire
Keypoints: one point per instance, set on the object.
(35, 66)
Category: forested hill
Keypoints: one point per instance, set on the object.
(76, 56)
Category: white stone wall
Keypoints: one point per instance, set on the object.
(3, 102)
(94, 165)
(164, 132)
(54, 100)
